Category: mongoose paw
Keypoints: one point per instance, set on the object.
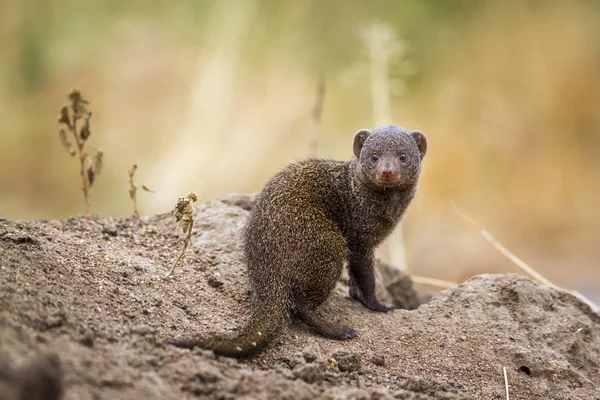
(376, 305)
(184, 343)
(350, 333)
(344, 333)
(371, 303)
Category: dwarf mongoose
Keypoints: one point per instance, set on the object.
(312, 219)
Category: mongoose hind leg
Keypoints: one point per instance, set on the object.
(324, 326)
(362, 282)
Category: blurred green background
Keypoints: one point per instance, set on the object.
(216, 96)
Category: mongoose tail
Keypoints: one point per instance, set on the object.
(268, 318)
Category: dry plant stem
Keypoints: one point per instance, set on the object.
(380, 56)
(133, 188)
(421, 280)
(188, 235)
(82, 156)
(316, 117)
(318, 351)
(520, 263)
(133, 191)
(487, 236)
(136, 213)
(506, 383)
(68, 117)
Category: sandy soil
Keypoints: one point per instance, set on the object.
(85, 308)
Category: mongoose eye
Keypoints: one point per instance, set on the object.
(403, 157)
(375, 157)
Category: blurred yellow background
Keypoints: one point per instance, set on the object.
(216, 96)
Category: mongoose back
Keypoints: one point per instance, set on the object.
(311, 220)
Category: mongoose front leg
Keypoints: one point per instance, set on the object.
(362, 281)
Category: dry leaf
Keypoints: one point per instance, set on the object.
(62, 133)
(132, 170)
(91, 175)
(98, 161)
(63, 115)
(85, 133)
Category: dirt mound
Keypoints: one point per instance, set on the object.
(91, 290)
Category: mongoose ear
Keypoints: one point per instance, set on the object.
(359, 139)
(421, 142)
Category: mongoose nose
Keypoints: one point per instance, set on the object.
(387, 172)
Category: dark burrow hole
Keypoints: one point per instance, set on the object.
(525, 369)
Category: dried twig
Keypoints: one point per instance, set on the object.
(384, 47)
(133, 190)
(317, 111)
(318, 351)
(498, 246)
(506, 382)
(90, 164)
(518, 262)
(184, 214)
(421, 280)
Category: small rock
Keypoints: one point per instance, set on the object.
(110, 230)
(56, 321)
(378, 359)
(142, 330)
(309, 354)
(381, 394)
(283, 370)
(87, 338)
(198, 389)
(310, 373)
(207, 373)
(179, 303)
(347, 361)
(40, 338)
(294, 360)
(343, 394)
(113, 380)
(41, 379)
(215, 280)
(20, 238)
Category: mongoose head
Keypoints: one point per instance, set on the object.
(389, 156)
